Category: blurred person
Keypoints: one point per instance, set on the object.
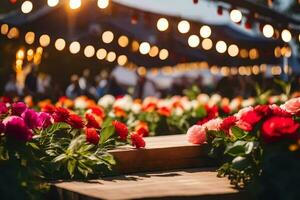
(31, 81)
(84, 81)
(114, 88)
(144, 87)
(10, 88)
(73, 90)
(101, 84)
(43, 84)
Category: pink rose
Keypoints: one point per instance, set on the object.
(214, 124)
(196, 134)
(15, 127)
(31, 118)
(292, 106)
(18, 108)
(3, 108)
(44, 120)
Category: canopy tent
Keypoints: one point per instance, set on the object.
(59, 22)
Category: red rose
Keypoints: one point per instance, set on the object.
(3, 108)
(164, 111)
(137, 140)
(97, 110)
(91, 121)
(61, 115)
(48, 109)
(278, 111)
(251, 117)
(227, 123)
(226, 109)
(15, 127)
(121, 129)
(92, 136)
(18, 108)
(276, 128)
(263, 110)
(75, 121)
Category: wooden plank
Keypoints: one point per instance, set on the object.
(162, 153)
(178, 184)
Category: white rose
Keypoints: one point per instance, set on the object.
(248, 102)
(136, 108)
(106, 101)
(80, 103)
(203, 98)
(178, 111)
(124, 103)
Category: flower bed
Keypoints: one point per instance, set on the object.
(258, 148)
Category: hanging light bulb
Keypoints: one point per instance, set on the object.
(75, 4)
(193, 41)
(183, 26)
(74, 47)
(236, 15)
(144, 48)
(221, 47)
(205, 31)
(286, 35)
(103, 4)
(268, 31)
(162, 24)
(26, 7)
(52, 3)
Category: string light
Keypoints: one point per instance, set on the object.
(101, 54)
(123, 41)
(268, 31)
(135, 46)
(44, 40)
(236, 15)
(193, 41)
(20, 54)
(60, 44)
(75, 4)
(52, 3)
(29, 38)
(107, 37)
(183, 26)
(13, 33)
(144, 48)
(221, 47)
(111, 56)
(163, 54)
(286, 35)
(162, 24)
(89, 51)
(103, 4)
(205, 31)
(26, 7)
(4, 29)
(74, 47)
(154, 51)
(233, 50)
(122, 60)
(207, 44)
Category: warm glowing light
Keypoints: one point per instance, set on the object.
(163, 54)
(154, 51)
(26, 7)
(20, 54)
(244, 53)
(13, 33)
(103, 3)
(75, 4)
(183, 26)
(135, 46)
(162, 24)
(107, 37)
(111, 56)
(122, 60)
(29, 37)
(144, 48)
(253, 54)
(44, 40)
(233, 50)
(89, 51)
(52, 3)
(74, 47)
(205, 31)
(221, 47)
(207, 44)
(142, 71)
(60, 44)
(193, 41)
(236, 15)
(277, 52)
(123, 41)
(268, 31)
(101, 54)
(4, 29)
(30, 54)
(286, 35)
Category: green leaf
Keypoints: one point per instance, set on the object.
(106, 133)
(107, 122)
(71, 167)
(240, 163)
(108, 158)
(237, 149)
(238, 132)
(200, 112)
(60, 158)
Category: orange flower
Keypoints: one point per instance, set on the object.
(28, 101)
(43, 103)
(142, 129)
(96, 110)
(150, 107)
(119, 112)
(65, 102)
(164, 111)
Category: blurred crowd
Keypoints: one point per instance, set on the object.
(40, 85)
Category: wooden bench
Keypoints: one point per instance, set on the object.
(168, 168)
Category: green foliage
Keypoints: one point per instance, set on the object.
(192, 92)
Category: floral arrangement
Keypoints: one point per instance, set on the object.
(56, 143)
(253, 143)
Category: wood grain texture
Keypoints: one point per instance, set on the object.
(162, 153)
(178, 184)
